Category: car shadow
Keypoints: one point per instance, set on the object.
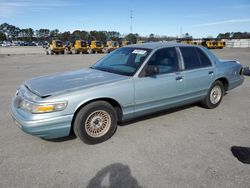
(72, 136)
(158, 114)
(241, 153)
(113, 176)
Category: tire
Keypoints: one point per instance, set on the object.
(89, 51)
(214, 96)
(96, 116)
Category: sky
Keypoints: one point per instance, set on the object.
(199, 18)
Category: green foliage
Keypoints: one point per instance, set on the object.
(11, 31)
(2, 36)
(132, 37)
(234, 35)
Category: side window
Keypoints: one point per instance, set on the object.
(190, 57)
(166, 60)
(205, 61)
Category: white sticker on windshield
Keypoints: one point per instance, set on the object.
(142, 52)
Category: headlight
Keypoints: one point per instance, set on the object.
(43, 107)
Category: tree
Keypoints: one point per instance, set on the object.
(43, 33)
(151, 38)
(2, 36)
(187, 35)
(132, 37)
(99, 35)
(29, 32)
(113, 35)
(65, 36)
(10, 31)
(54, 33)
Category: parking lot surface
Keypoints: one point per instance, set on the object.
(184, 147)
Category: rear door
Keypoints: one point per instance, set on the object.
(198, 72)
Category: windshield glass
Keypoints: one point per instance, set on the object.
(115, 44)
(83, 44)
(98, 44)
(59, 44)
(125, 61)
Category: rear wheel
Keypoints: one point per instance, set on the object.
(214, 96)
(96, 122)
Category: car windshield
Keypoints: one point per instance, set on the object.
(125, 61)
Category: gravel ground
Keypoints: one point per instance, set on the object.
(184, 147)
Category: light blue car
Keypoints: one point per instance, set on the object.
(130, 82)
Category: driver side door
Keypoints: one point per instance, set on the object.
(162, 89)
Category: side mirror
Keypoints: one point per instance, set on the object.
(151, 70)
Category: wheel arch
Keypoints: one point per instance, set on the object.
(116, 105)
(224, 81)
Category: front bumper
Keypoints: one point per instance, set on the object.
(48, 128)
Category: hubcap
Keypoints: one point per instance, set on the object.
(215, 95)
(98, 123)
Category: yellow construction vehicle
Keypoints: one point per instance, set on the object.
(209, 43)
(125, 43)
(220, 44)
(95, 47)
(140, 42)
(196, 42)
(56, 47)
(186, 41)
(79, 46)
(110, 46)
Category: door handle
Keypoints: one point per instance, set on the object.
(211, 72)
(179, 77)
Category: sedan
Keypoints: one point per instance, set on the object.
(132, 81)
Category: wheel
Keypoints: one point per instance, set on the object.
(90, 51)
(95, 123)
(50, 52)
(73, 51)
(214, 96)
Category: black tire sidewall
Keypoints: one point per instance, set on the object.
(79, 123)
(207, 102)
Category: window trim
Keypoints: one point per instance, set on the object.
(196, 49)
(201, 67)
(179, 63)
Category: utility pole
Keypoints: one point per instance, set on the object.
(181, 32)
(131, 17)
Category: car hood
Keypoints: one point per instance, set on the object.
(70, 81)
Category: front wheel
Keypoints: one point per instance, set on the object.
(214, 96)
(95, 122)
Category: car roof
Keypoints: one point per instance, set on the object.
(156, 45)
